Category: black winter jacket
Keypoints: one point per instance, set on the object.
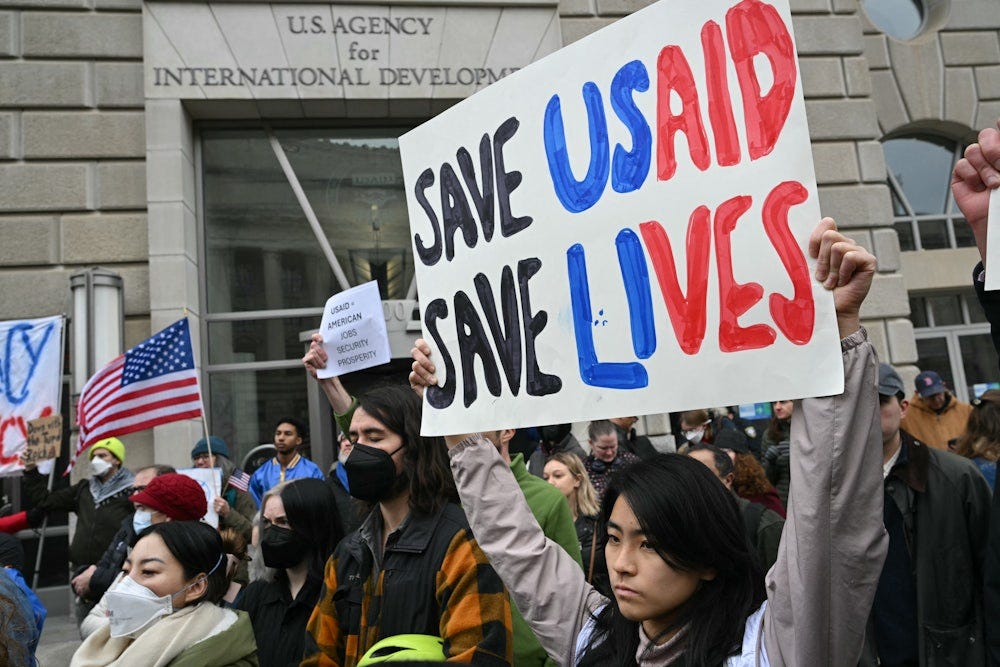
(990, 301)
(96, 525)
(111, 562)
(945, 503)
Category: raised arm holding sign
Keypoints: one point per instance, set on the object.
(683, 586)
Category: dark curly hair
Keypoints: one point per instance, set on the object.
(750, 478)
(426, 471)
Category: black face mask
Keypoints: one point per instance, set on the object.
(371, 472)
(282, 547)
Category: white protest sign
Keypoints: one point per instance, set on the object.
(621, 228)
(354, 332)
(210, 480)
(30, 378)
(992, 262)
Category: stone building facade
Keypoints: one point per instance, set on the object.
(110, 156)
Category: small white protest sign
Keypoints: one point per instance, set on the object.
(354, 332)
(992, 262)
(210, 481)
(621, 228)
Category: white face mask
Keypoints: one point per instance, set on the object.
(132, 607)
(694, 436)
(141, 520)
(99, 466)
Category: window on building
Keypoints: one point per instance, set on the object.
(265, 277)
(925, 214)
(953, 338)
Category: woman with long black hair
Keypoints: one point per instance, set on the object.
(300, 527)
(683, 578)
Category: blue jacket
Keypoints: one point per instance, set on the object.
(269, 475)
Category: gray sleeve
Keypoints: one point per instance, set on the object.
(546, 584)
(830, 558)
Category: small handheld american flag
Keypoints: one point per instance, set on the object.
(239, 480)
(153, 383)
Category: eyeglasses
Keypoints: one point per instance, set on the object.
(200, 457)
(138, 489)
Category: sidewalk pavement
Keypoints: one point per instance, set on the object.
(60, 639)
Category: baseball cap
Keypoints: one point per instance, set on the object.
(889, 382)
(929, 383)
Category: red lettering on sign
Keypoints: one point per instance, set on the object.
(674, 75)
(793, 316)
(754, 28)
(720, 106)
(687, 312)
(736, 298)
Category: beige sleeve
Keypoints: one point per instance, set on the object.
(821, 588)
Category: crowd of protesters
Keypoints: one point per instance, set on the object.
(857, 529)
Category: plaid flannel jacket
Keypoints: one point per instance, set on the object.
(434, 579)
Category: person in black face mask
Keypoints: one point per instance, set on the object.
(413, 566)
(300, 527)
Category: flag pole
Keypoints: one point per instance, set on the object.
(52, 470)
(208, 443)
(204, 424)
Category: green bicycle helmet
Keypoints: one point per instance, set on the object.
(404, 648)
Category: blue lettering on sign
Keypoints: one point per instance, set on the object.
(577, 196)
(635, 276)
(613, 375)
(19, 335)
(628, 169)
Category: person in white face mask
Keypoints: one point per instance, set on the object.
(167, 609)
(100, 503)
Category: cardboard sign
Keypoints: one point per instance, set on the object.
(354, 331)
(621, 228)
(30, 379)
(210, 480)
(44, 439)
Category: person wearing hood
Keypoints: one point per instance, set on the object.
(935, 416)
(100, 502)
(234, 505)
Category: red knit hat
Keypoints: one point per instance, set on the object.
(178, 496)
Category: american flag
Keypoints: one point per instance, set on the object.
(239, 480)
(153, 383)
